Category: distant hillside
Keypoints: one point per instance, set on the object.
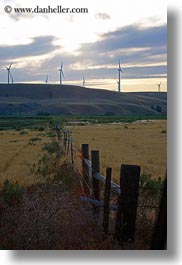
(32, 99)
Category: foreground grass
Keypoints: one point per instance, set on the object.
(20, 152)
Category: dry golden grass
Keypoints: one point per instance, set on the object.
(140, 143)
(19, 156)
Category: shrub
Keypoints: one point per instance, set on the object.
(53, 148)
(41, 129)
(23, 132)
(65, 174)
(151, 186)
(12, 193)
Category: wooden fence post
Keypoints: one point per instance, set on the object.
(72, 160)
(65, 140)
(95, 182)
(159, 240)
(68, 143)
(95, 168)
(127, 203)
(106, 200)
(85, 168)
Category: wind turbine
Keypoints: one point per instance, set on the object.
(117, 85)
(46, 81)
(9, 73)
(61, 75)
(159, 86)
(83, 81)
(119, 77)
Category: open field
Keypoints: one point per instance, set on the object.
(140, 143)
(19, 154)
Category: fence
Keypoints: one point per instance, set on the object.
(135, 211)
(125, 210)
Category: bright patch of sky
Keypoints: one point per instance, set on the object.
(89, 44)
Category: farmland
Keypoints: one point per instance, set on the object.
(19, 154)
(52, 202)
(136, 142)
(142, 143)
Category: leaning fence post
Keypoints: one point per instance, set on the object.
(95, 168)
(95, 182)
(85, 168)
(106, 200)
(159, 240)
(72, 160)
(127, 207)
(65, 140)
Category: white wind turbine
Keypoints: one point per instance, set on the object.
(9, 73)
(83, 81)
(119, 77)
(46, 81)
(61, 75)
(159, 86)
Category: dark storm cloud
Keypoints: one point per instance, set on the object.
(38, 46)
(129, 37)
(132, 45)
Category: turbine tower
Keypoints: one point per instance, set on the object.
(9, 73)
(119, 77)
(61, 74)
(159, 86)
(83, 81)
(46, 81)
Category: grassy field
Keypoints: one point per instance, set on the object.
(19, 154)
(137, 143)
(141, 143)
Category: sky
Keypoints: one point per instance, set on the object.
(89, 44)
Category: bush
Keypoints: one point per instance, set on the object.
(66, 175)
(152, 186)
(41, 129)
(12, 193)
(53, 148)
(23, 132)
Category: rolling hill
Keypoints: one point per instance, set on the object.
(16, 99)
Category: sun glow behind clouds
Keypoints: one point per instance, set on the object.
(71, 31)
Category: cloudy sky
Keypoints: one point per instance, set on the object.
(89, 44)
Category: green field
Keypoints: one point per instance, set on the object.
(36, 122)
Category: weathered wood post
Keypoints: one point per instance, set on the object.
(127, 203)
(85, 168)
(65, 140)
(95, 168)
(159, 240)
(95, 182)
(72, 160)
(106, 200)
(68, 143)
